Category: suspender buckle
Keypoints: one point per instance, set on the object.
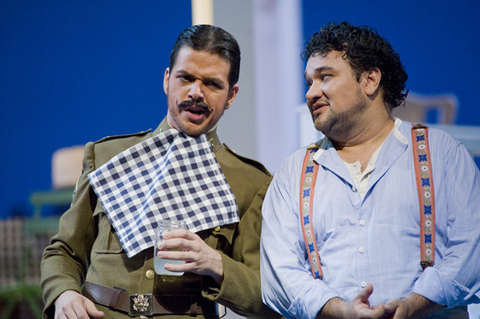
(426, 264)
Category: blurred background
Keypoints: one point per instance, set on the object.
(77, 71)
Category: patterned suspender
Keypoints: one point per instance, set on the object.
(307, 189)
(424, 178)
(426, 196)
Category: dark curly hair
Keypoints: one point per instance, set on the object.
(364, 49)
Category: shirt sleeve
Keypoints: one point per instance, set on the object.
(287, 282)
(454, 279)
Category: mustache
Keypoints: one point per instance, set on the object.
(190, 103)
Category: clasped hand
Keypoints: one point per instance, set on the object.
(412, 306)
(360, 307)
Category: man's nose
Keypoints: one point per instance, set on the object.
(196, 92)
(314, 92)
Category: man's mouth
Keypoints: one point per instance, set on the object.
(198, 108)
(196, 111)
(317, 107)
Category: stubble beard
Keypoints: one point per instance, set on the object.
(340, 124)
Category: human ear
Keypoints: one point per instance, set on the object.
(372, 80)
(166, 76)
(232, 94)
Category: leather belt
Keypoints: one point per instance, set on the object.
(137, 304)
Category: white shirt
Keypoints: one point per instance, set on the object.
(374, 239)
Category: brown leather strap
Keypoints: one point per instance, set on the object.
(113, 298)
(119, 300)
(113, 301)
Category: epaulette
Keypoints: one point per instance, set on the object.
(108, 138)
(247, 160)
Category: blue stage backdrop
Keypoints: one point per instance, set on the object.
(436, 40)
(76, 71)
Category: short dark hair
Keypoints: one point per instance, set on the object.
(364, 49)
(214, 40)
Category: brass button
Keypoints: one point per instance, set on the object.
(150, 274)
(217, 228)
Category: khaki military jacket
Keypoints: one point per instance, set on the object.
(88, 249)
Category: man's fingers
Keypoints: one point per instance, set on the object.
(378, 311)
(396, 307)
(393, 305)
(72, 305)
(93, 311)
(87, 309)
(179, 233)
(365, 293)
(181, 238)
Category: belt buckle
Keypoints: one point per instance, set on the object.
(141, 305)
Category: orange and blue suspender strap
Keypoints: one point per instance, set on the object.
(424, 179)
(426, 194)
(307, 189)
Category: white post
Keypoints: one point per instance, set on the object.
(278, 68)
(202, 12)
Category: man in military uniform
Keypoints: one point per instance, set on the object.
(86, 269)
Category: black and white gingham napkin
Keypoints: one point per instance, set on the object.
(169, 176)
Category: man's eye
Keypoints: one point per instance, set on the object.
(325, 76)
(185, 78)
(213, 84)
(309, 84)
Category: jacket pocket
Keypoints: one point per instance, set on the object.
(220, 238)
(107, 241)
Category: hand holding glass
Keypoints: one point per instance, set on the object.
(164, 227)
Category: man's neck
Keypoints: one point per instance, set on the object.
(361, 146)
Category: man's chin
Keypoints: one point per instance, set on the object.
(193, 130)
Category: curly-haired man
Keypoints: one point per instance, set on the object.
(381, 255)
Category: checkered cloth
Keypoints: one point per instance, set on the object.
(169, 176)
